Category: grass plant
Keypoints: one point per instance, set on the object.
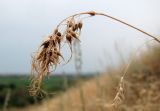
(48, 55)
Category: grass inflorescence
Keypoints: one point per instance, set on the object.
(48, 56)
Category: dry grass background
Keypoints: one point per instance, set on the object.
(142, 89)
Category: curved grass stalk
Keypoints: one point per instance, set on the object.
(92, 13)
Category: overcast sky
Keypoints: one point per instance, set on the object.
(24, 23)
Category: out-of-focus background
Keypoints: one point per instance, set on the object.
(107, 46)
(24, 23)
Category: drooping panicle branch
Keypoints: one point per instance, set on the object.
(48, 55)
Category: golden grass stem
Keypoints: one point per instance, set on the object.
(113, 18)
(125, 23)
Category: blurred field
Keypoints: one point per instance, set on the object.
(17, 85)
(142, 89)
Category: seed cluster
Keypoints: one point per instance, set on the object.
(49, 52)
(73, 30)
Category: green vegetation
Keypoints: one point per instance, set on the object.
(19, 90)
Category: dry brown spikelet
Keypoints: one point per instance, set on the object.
(49, 53)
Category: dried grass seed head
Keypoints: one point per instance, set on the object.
(49, 54)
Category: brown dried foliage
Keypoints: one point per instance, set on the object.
(49, 52)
